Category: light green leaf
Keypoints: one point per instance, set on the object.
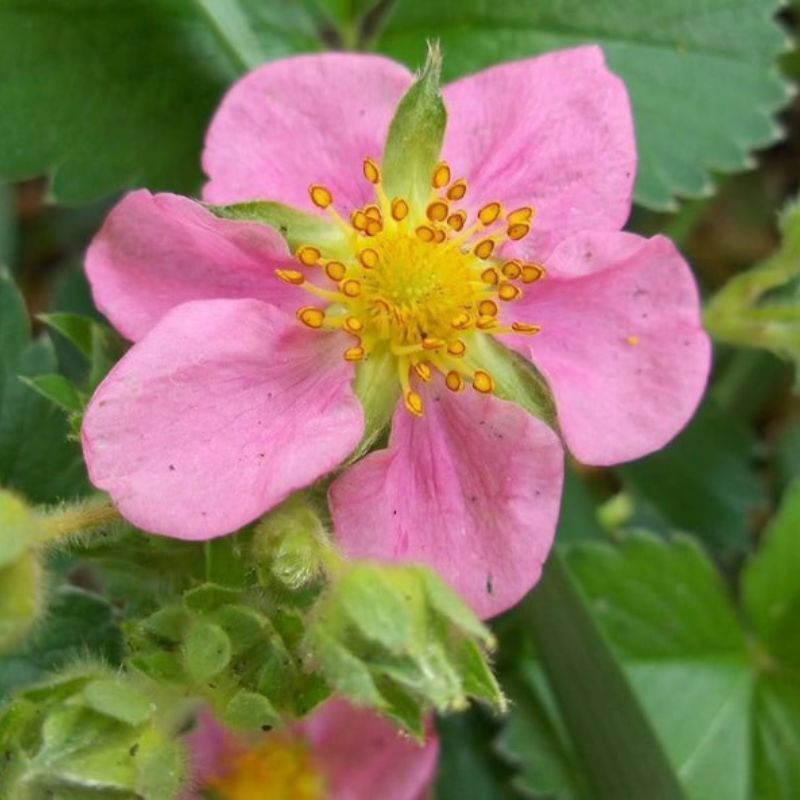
(141, 81)
(701, 73)
(119, 700)
(248, 711)
(207, 651)
(58, 390)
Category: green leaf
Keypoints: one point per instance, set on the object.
(248, 711)
(701, 75)
(702, 482)
(118, 700)
(207, 651)
(770, 587)
(761, 307)
(58, 390)
(141, 81)
(415, 137)
(617, 745)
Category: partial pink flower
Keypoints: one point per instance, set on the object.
(240, 387)
(340, 752)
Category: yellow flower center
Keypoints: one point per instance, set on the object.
(281, 768)
(418, 282)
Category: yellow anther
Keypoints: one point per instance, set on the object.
(320, 196)
(453, 381)
(525, 327)
(507, 291)
(423, 370)
(353, 325)
(372, 171)
(512, 270)
(374, 227)
(460, 321)
(632, 340)
(518, 231)
(457, 220)
(532, 273)
(413, 403)
(441, 175)
(335, 270)
(523, 214)
(482, 382)
(486, 323)
(440, 236)
(293, 276)
(437, 211)
(457, 190)
(490, 276)
(431, 343)
(490, 213)
(457, 348)
(488, 308)
(373, 212)
(484, 248)
(313, 317)
(399, 209)
(356, 353)
(350, 288)
(359, 220)
(369, 258)
(426, 233)
(308, 255)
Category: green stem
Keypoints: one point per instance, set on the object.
(76, 520)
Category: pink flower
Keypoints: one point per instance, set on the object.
(338, 753)
(227, 403)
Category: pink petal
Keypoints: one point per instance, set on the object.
(219, 413)
(157, 251)
(365, 757)
(622, 343)
(303, 120)
(472, 489)
(554, 132)
(212, 749)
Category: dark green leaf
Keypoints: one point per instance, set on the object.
(701, 74)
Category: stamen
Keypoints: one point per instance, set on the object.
(508, 292)
(369, 258)
(374, 227)
(399, 209)
(457, 190)
(355, 353)
(441, 175)
(518, 231)
(350, 288)
(353, 325)
(426, 233)
(320, 196)
(490, 276)
(482, 382)
(431, 343)
(457, 348)
(454, 381)
(440, 236)
(423, 370)
(532, 273)
(372, 171)
(335, 270)
(512, 270)
(484, 249)
(488, 308)
(437, 211)
(293, 276)
(373, 212)
(632, 340)
(486, 322)
(524, 214)
(308, 255)
(413, 403)
(490, 213)
(525, 327)
(460, 321)
(457, 220)
(312, 317)
(359, 220)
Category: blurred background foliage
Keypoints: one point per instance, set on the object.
(659, 657)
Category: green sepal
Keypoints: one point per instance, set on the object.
(249, 711)
(378, 390)
(206, 651)
(516, 379)
(416, 133)
(296, 227)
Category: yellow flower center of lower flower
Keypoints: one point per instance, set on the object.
(419, 282)
(281, 768)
